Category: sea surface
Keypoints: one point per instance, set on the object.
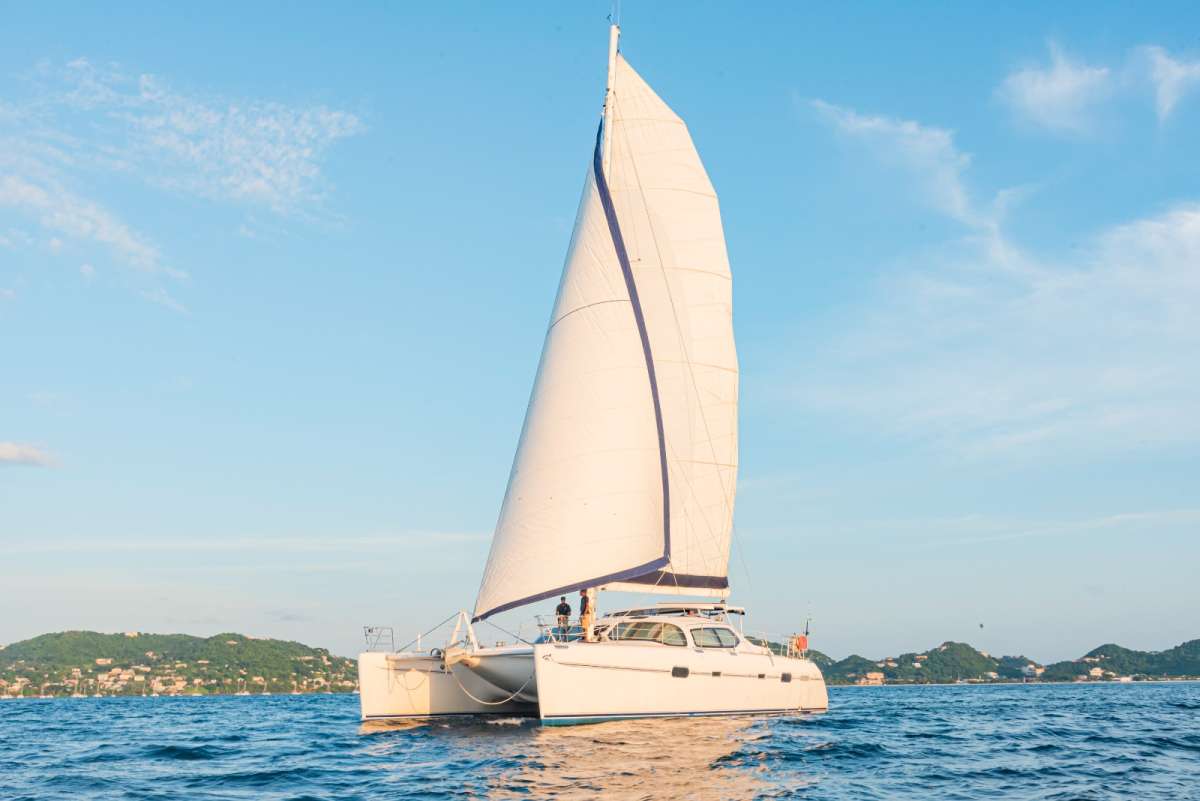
(1099, 741)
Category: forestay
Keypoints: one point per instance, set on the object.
(625, 472)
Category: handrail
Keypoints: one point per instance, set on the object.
(784, 642)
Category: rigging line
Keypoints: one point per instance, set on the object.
(737, 544)
(426, 634)
(726, 493)
(712, 535)
(516, 637)
(491, 703)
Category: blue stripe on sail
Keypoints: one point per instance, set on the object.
(622, 575)
(681, 580)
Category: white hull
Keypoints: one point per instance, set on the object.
(643, 665)
(589, 682)
(397, 686)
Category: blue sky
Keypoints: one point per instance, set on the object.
(273, 285)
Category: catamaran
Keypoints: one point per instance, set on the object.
(625, 471)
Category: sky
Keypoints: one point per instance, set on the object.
(274, 281)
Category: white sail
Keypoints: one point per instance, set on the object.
(625, 472)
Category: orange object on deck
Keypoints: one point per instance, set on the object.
(800, 643)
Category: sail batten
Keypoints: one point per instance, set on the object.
(625, 472)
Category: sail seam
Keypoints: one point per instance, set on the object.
(614, 228)
(588, 306)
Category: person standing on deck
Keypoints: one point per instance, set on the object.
(563, 610)
(586, 614)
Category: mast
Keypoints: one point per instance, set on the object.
(614, 34)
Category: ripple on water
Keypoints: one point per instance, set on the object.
(1066, 742)
(182, 752)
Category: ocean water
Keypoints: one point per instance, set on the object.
(1105, 741)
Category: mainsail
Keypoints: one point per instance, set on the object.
(625, 472)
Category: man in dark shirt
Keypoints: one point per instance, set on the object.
(563, 610)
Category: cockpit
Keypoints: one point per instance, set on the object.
(701, 626)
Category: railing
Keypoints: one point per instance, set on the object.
(375, 637)
(778, 644)
(548, 632)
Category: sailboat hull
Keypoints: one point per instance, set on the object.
(592, 682)
(400, 686)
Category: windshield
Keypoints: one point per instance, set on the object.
(648, 631)
(714, 638)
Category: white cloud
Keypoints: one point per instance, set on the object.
(7, 294)
(16, 453)
(163, 298)
(977, 529)
(61, 211)
(1062, 97)
(1097, 352)
(928, 153)
(257, 152)
(984, 348)
(291, 544)
(87, 124)
(87, 271)
(1172, 79)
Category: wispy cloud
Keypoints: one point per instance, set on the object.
(14, 453)
(297, 544)
(1097, 352)
(985, 348)
(163, 298)
(928, 153)
(982, 530)
(251, 151)
(1061, 97)
(1172, 79)
(977, 529)
(63, 212)
(86, 125)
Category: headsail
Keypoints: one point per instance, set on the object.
(625, 472)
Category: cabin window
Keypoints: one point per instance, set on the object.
(647, 631)
(673, 635)
(714, 638)
(728, 638)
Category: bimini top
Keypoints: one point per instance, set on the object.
(625, 471)
(671, 609)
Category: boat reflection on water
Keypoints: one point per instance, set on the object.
(680, 758)
(383, 726)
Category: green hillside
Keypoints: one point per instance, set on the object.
(955, 661)
(90, 663)
(1111, 659)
